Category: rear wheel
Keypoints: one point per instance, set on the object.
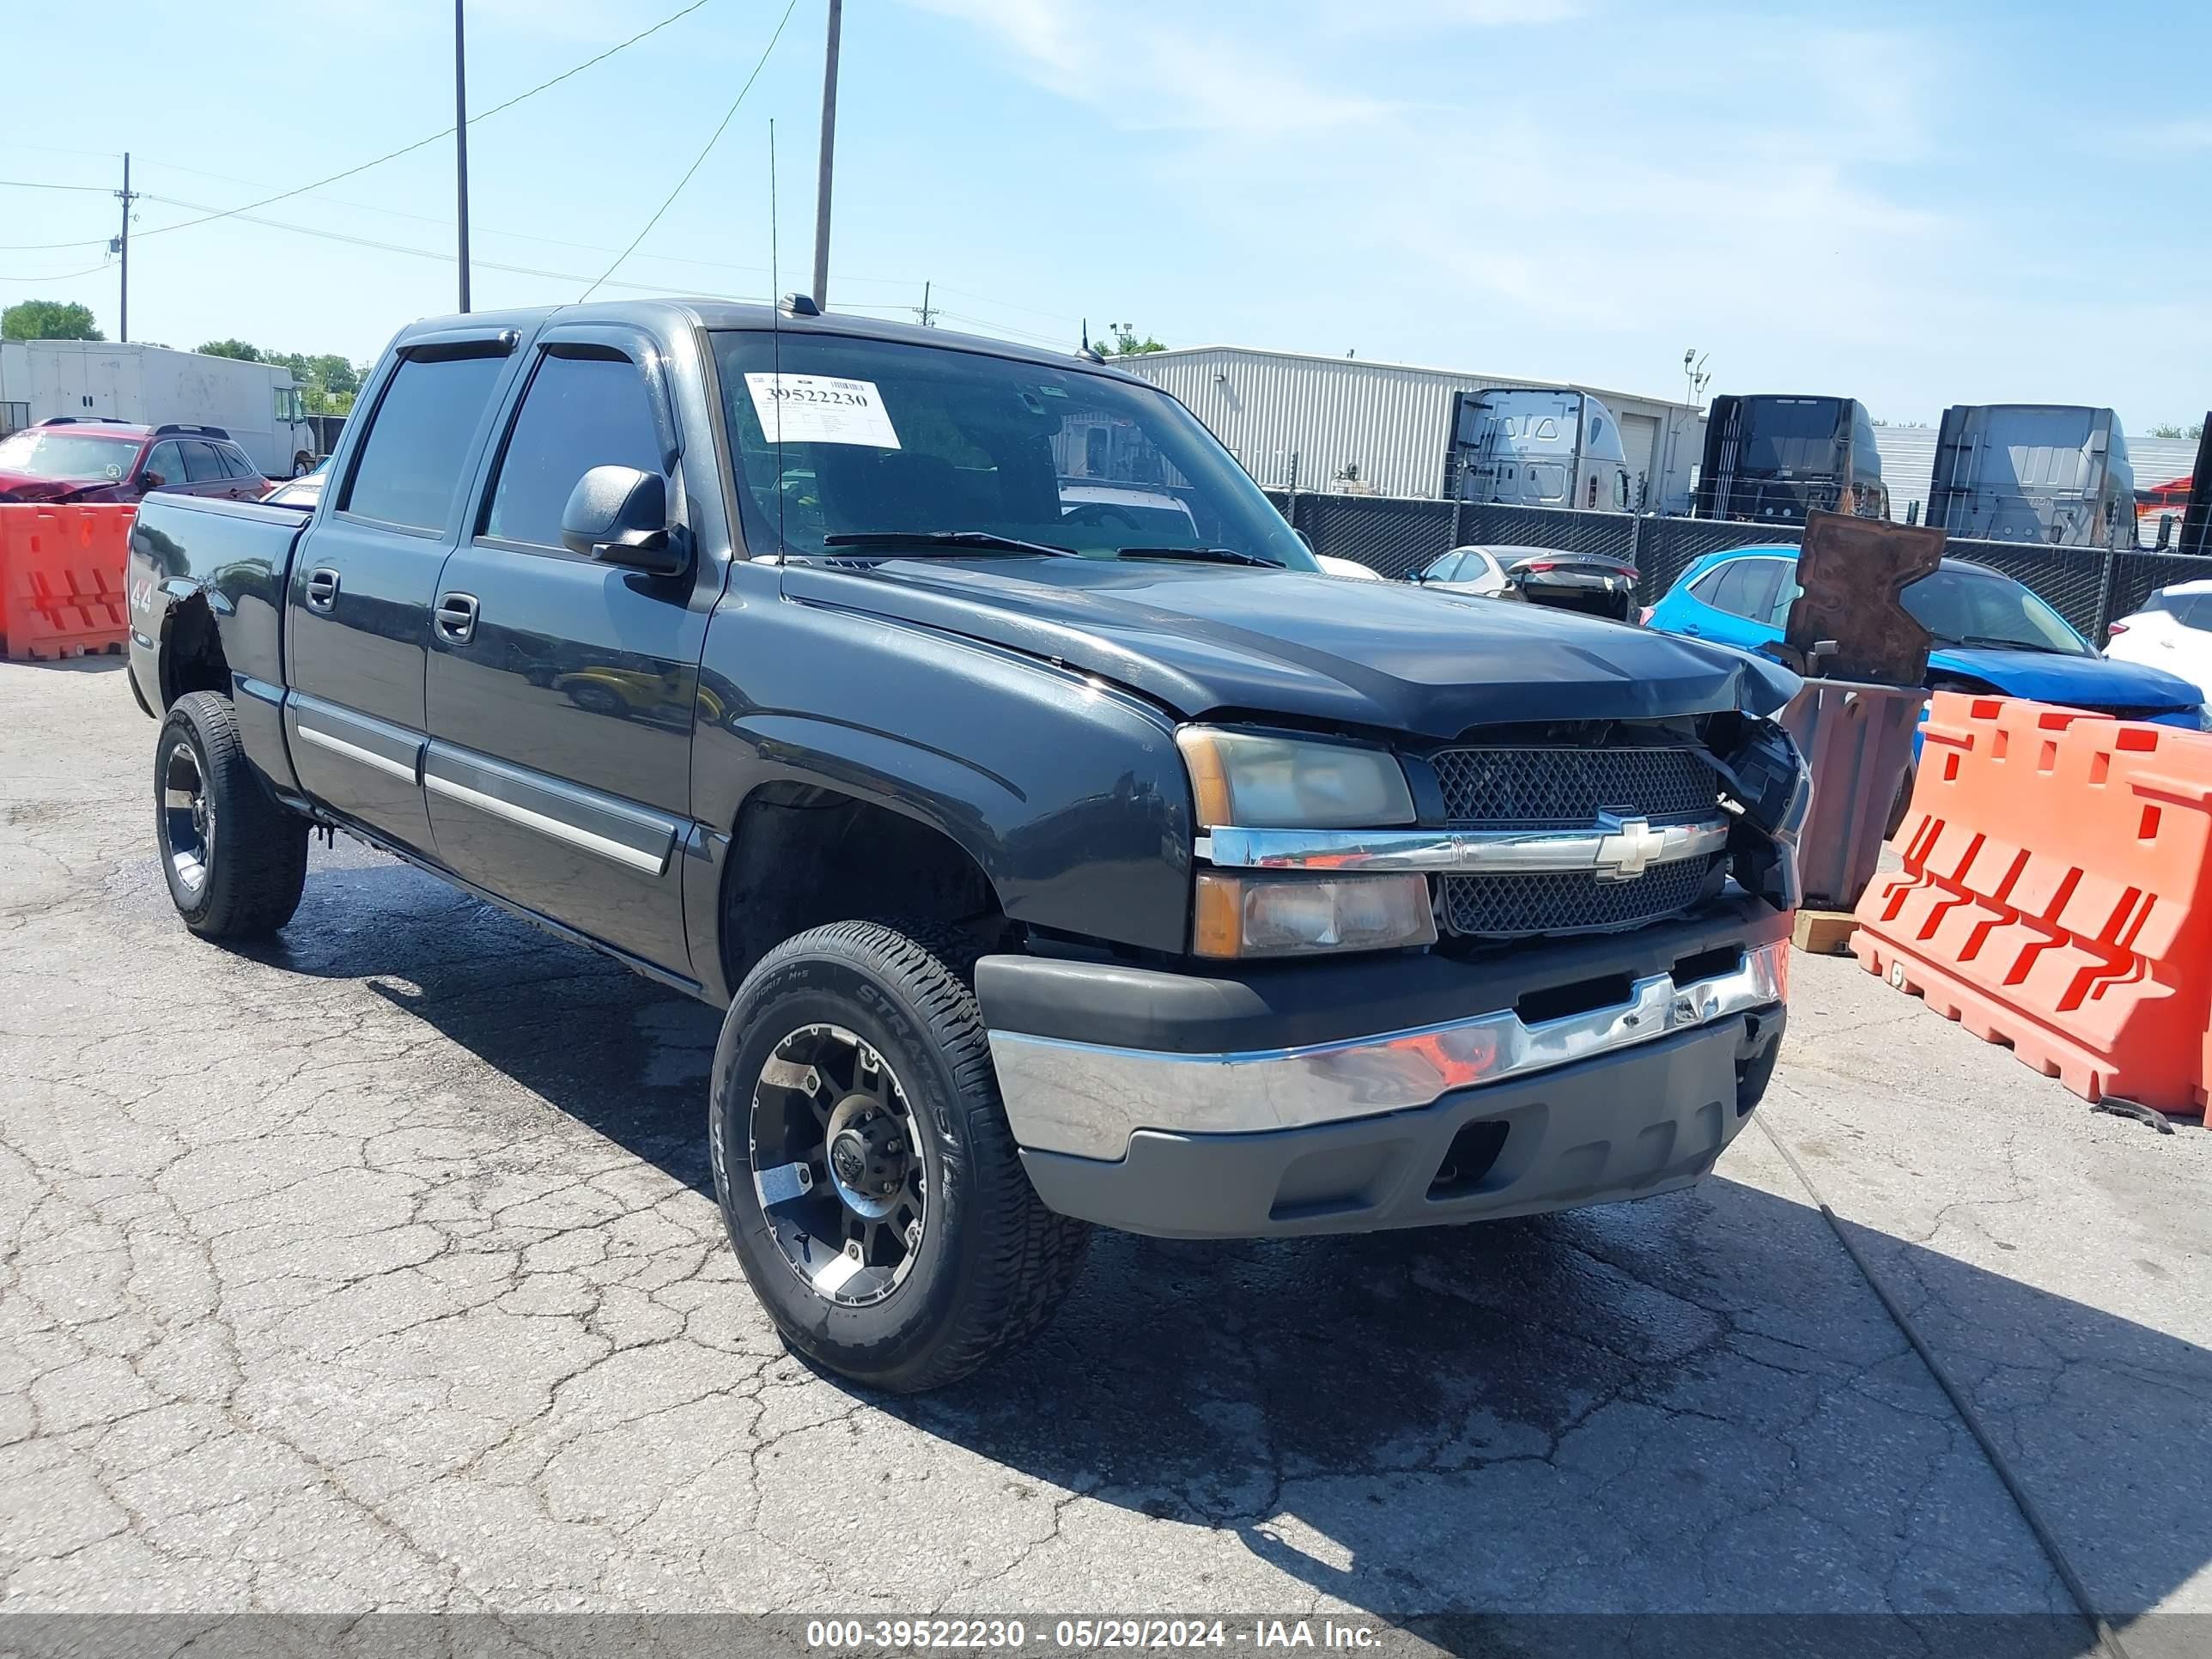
(234, 860)
(866, 1173)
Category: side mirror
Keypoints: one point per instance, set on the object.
(151, 480)
(1305, 540)
(619, 515)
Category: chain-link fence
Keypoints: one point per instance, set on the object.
(1394, 537)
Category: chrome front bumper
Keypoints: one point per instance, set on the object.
(1087, 1100)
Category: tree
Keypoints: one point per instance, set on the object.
(327, 380)
(2193, 431)
(1124, 343)
(48, 319)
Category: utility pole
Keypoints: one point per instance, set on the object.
(828, 151)
(461, 142)
(121, 245)
(929, 316)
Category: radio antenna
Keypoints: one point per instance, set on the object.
(775, 342)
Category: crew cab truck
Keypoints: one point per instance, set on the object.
(1053, 872)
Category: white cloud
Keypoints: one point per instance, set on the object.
(1157, 73)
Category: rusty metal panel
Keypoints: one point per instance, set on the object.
(1848, 623)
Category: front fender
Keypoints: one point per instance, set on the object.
(1068, 793)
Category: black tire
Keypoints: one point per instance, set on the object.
(250, 854)
(992, 1265)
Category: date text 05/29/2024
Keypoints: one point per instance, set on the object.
(1086, 1635)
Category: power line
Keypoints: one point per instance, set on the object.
(394, 155)
(696, 161)
(551, 242)
(60, 276)
(28, 184)
(449, 257)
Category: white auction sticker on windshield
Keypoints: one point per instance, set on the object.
(821, 408)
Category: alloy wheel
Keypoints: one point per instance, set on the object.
(839, 1167)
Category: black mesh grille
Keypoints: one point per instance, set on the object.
(1567, 788)
(1515, 906)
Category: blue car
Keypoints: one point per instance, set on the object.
(1991, 636)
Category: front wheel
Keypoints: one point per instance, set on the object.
(234, 860)
(866, 1173)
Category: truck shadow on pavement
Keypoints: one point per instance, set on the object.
(1693, 1403)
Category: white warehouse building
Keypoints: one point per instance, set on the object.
(1319, 423)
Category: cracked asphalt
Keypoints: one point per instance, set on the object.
(379, 1270)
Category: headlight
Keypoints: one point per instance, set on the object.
(1252, 780)
(1244, 916)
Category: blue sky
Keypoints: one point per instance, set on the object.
(1914, 205)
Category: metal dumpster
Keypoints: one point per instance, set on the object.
(1856, 737)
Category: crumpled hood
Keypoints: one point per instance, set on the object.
(23, 487)
(2074, 682)
(1203, 638)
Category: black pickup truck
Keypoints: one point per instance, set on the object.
(1065, 847)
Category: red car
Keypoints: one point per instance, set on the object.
(71, 459)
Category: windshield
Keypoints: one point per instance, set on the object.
(41, 453)
(1978, 607)
(1798, 433)
(880, 437)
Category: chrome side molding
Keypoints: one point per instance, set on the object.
(1087, 1098)
(1612, 849)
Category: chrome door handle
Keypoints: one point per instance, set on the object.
(456, 617)
(322, 588)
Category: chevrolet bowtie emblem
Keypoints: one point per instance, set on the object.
(1626, 847)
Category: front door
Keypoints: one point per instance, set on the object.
(363, 579)
(561, 690)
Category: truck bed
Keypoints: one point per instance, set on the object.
(228, 555)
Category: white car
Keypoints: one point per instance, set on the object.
(2172, 631)
(1332, 566)
(1473, 570)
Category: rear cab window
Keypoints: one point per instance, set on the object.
(419, 442)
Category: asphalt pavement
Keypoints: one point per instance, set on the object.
(379, 1269)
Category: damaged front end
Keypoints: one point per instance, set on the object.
(1769, 789)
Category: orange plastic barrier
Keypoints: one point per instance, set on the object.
(61, 580)
(2056, 894)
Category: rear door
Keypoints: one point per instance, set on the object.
(204, 472)
(365, 574)
(563, 690)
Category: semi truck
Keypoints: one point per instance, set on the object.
(2053, 473)
(258, 404)
(1772, 458)
(2196, 517)
(1056, 865)
(1525, 446)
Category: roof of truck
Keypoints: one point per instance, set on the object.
(732, 314)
